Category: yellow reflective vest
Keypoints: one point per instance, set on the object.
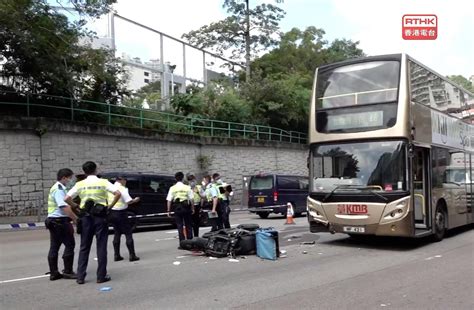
(96, 191)
(180, 191)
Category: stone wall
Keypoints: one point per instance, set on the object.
(32, 150)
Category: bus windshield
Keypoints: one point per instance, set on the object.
(356, 84)
(377, 166)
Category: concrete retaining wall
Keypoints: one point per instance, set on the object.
(32, 150)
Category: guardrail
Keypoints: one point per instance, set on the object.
(58, 107)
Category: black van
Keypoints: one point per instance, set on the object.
(270, 193)
(152, 190)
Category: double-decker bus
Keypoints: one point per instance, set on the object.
(391, 149)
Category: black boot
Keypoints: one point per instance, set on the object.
(131, 251)
(68, 273)
(53, 269)
(117, 256)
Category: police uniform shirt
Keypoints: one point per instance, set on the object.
(56, 197)
(211, 192)
(171, 197)
(92, 182)
(122, 203)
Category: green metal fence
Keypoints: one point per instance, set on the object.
(41, 105)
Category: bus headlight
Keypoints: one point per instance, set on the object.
(395, 210)
(316, 211)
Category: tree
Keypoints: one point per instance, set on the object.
(278, 102)
(150, 93)
(302, 51)
(217, 101)
(280, 88)
(462, 81)
(245, 32)
(42, 51)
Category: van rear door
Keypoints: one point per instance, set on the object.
(261, 191)
(293, 189)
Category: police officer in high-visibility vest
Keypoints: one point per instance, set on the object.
(180, 201)
(60, 228)
(212, 203)
(120, 222)
(94, 208)
(225, 195)
(197, 198)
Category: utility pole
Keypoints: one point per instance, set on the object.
(247, 41)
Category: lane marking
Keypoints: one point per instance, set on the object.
(24, 279)
(164, 239)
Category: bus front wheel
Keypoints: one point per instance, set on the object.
(440, 223)
(263, 215)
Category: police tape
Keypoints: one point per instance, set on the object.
(170, 213)
(149, 215)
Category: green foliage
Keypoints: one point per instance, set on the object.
(42, 53)
(462, 81)
(229, 34)
(279, 102)
(280, 89)
(216, 101)
(151, 93)
(303, 51)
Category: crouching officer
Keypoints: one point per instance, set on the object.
(60, 228)
(180, 200)
(119, 220)
(93, 193)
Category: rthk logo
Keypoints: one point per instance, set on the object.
(419, 27)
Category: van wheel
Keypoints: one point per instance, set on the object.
(263, 215)
(298, 214)
(440, 223)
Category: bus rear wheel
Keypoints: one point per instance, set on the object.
(440, 221)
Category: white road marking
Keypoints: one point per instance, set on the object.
(24, 279)
(164, 239)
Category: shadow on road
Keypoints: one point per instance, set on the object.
(392, 243)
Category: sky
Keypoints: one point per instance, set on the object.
(376, 24)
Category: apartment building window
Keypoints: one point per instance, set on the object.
(146, 80)
(146, 73)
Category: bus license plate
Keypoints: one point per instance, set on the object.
(261, 199)
(354, 229)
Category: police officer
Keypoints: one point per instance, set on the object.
(212, 202)
(93, 194)
(119, 219)
(197, 198)
(60, 228)
(180, 199)
(225, 193)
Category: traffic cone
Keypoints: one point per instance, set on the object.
(289, 214)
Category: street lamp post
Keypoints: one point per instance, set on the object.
(172, 67)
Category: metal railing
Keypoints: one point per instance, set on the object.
(85, 111)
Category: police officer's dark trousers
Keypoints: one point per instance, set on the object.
(121, 224)
(224, 213)
(217, 221)
(196, 220)
(61, 232)
(183, 218)
(98, 226)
